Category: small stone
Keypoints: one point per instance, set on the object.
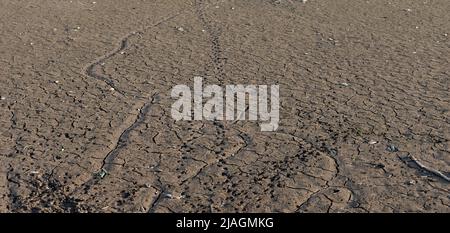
(391, 148)
(372, 142)
(101, 174)
(94, 2)
(112, 89)
(345, 84)
(181, 29)
(56, 81)
(304, 1)
(408, 10)
(411, 182)
(2, 98)
(168, 195)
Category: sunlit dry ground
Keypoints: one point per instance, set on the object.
(85, 106)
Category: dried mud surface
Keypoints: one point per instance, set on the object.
(85, 106)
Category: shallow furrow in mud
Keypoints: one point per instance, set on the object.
(122, 141)
(108, 161)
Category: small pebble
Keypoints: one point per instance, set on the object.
(181, 29)
(56, 81)
(372, 142)
(102, 173)
(345, 84)
(411, 182)
(112, 89)
(2, 98)
(391, 148)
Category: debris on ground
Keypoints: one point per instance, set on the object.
(391, 148)
(372, 142)
(101, 174)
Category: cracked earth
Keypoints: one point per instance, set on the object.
(85, 106)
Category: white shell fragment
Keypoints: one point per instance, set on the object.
(372, 142)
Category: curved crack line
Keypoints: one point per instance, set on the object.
(89, 69)
(122, 142)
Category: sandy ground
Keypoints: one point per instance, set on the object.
(364, 94)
